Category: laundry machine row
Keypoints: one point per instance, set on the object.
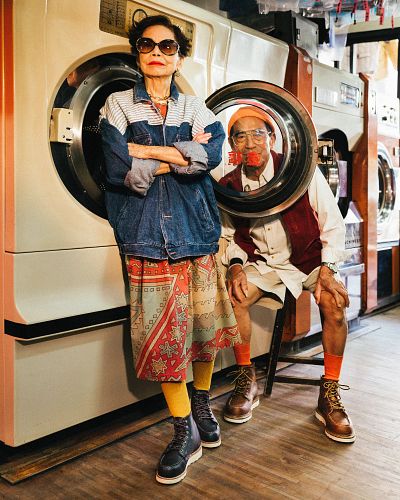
(376, 192)
(388, 217)
(64, 350)
(336, 102)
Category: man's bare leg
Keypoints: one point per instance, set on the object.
(242, 312)
(334, 328)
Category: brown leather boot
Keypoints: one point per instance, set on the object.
(331, 412)
(244, 398)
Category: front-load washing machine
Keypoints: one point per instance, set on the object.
(64, 351)
(388, 217)
(338, 114)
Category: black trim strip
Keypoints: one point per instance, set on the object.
(65, 324)
(373, 36)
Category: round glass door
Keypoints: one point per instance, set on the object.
(387, 185)
(338, 175)
(74, 137)
(270, 153)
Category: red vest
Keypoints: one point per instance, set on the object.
(299, 220)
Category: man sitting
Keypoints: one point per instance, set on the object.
(296, 249)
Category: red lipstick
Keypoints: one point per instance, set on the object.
(156, 63)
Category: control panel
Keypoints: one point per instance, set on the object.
(117, 16)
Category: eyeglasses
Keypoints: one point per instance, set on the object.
(258, 135)
(147, 45)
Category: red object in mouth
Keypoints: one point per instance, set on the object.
(156, 63)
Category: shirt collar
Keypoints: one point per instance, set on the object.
(140, 93)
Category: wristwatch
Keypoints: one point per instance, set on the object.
(330, 265)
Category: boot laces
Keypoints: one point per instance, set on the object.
(242, 380)
(181, 434)
(202, 405)
(332, 394)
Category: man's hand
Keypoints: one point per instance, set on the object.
(327, 282)
(237, 284)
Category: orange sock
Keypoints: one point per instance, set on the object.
(332, 364)
(242, 354)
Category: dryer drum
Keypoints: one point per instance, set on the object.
(80, 162)
(387, 185)
(299, 148)
(331, 174)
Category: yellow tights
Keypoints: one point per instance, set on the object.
(176, 393)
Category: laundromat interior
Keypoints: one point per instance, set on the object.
(75, 420)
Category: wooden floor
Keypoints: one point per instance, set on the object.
(281, 453)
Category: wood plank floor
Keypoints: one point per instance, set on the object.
(281, 453)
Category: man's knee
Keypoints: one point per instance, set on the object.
(330, 310)
(241, 308)
(253, 295)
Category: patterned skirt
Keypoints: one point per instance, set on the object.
(180, 312)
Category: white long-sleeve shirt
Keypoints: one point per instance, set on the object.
(272, 242)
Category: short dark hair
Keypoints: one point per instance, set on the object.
(137, 30)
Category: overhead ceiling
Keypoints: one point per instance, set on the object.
(350, 16)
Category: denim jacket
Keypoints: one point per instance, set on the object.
(172, 215)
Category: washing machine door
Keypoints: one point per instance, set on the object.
(328, 163)
(271, 150)
(74, 133)
(331, 174)
(387, 186)
(338, 172)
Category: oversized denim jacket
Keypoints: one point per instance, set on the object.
(173, 215)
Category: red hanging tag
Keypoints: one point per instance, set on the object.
(366, 8)
(338, 10)
(392, 21)
(382, 15)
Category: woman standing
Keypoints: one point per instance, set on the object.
(159, 146)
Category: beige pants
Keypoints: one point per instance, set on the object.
(273, 287)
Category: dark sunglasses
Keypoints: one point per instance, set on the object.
(147, 45)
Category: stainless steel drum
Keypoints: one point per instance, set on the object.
(387, 185)
(331, 174)
(294, 132)
(75, 138)
(338, 174)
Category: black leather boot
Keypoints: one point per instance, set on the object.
(207, 424)
(183, 450)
